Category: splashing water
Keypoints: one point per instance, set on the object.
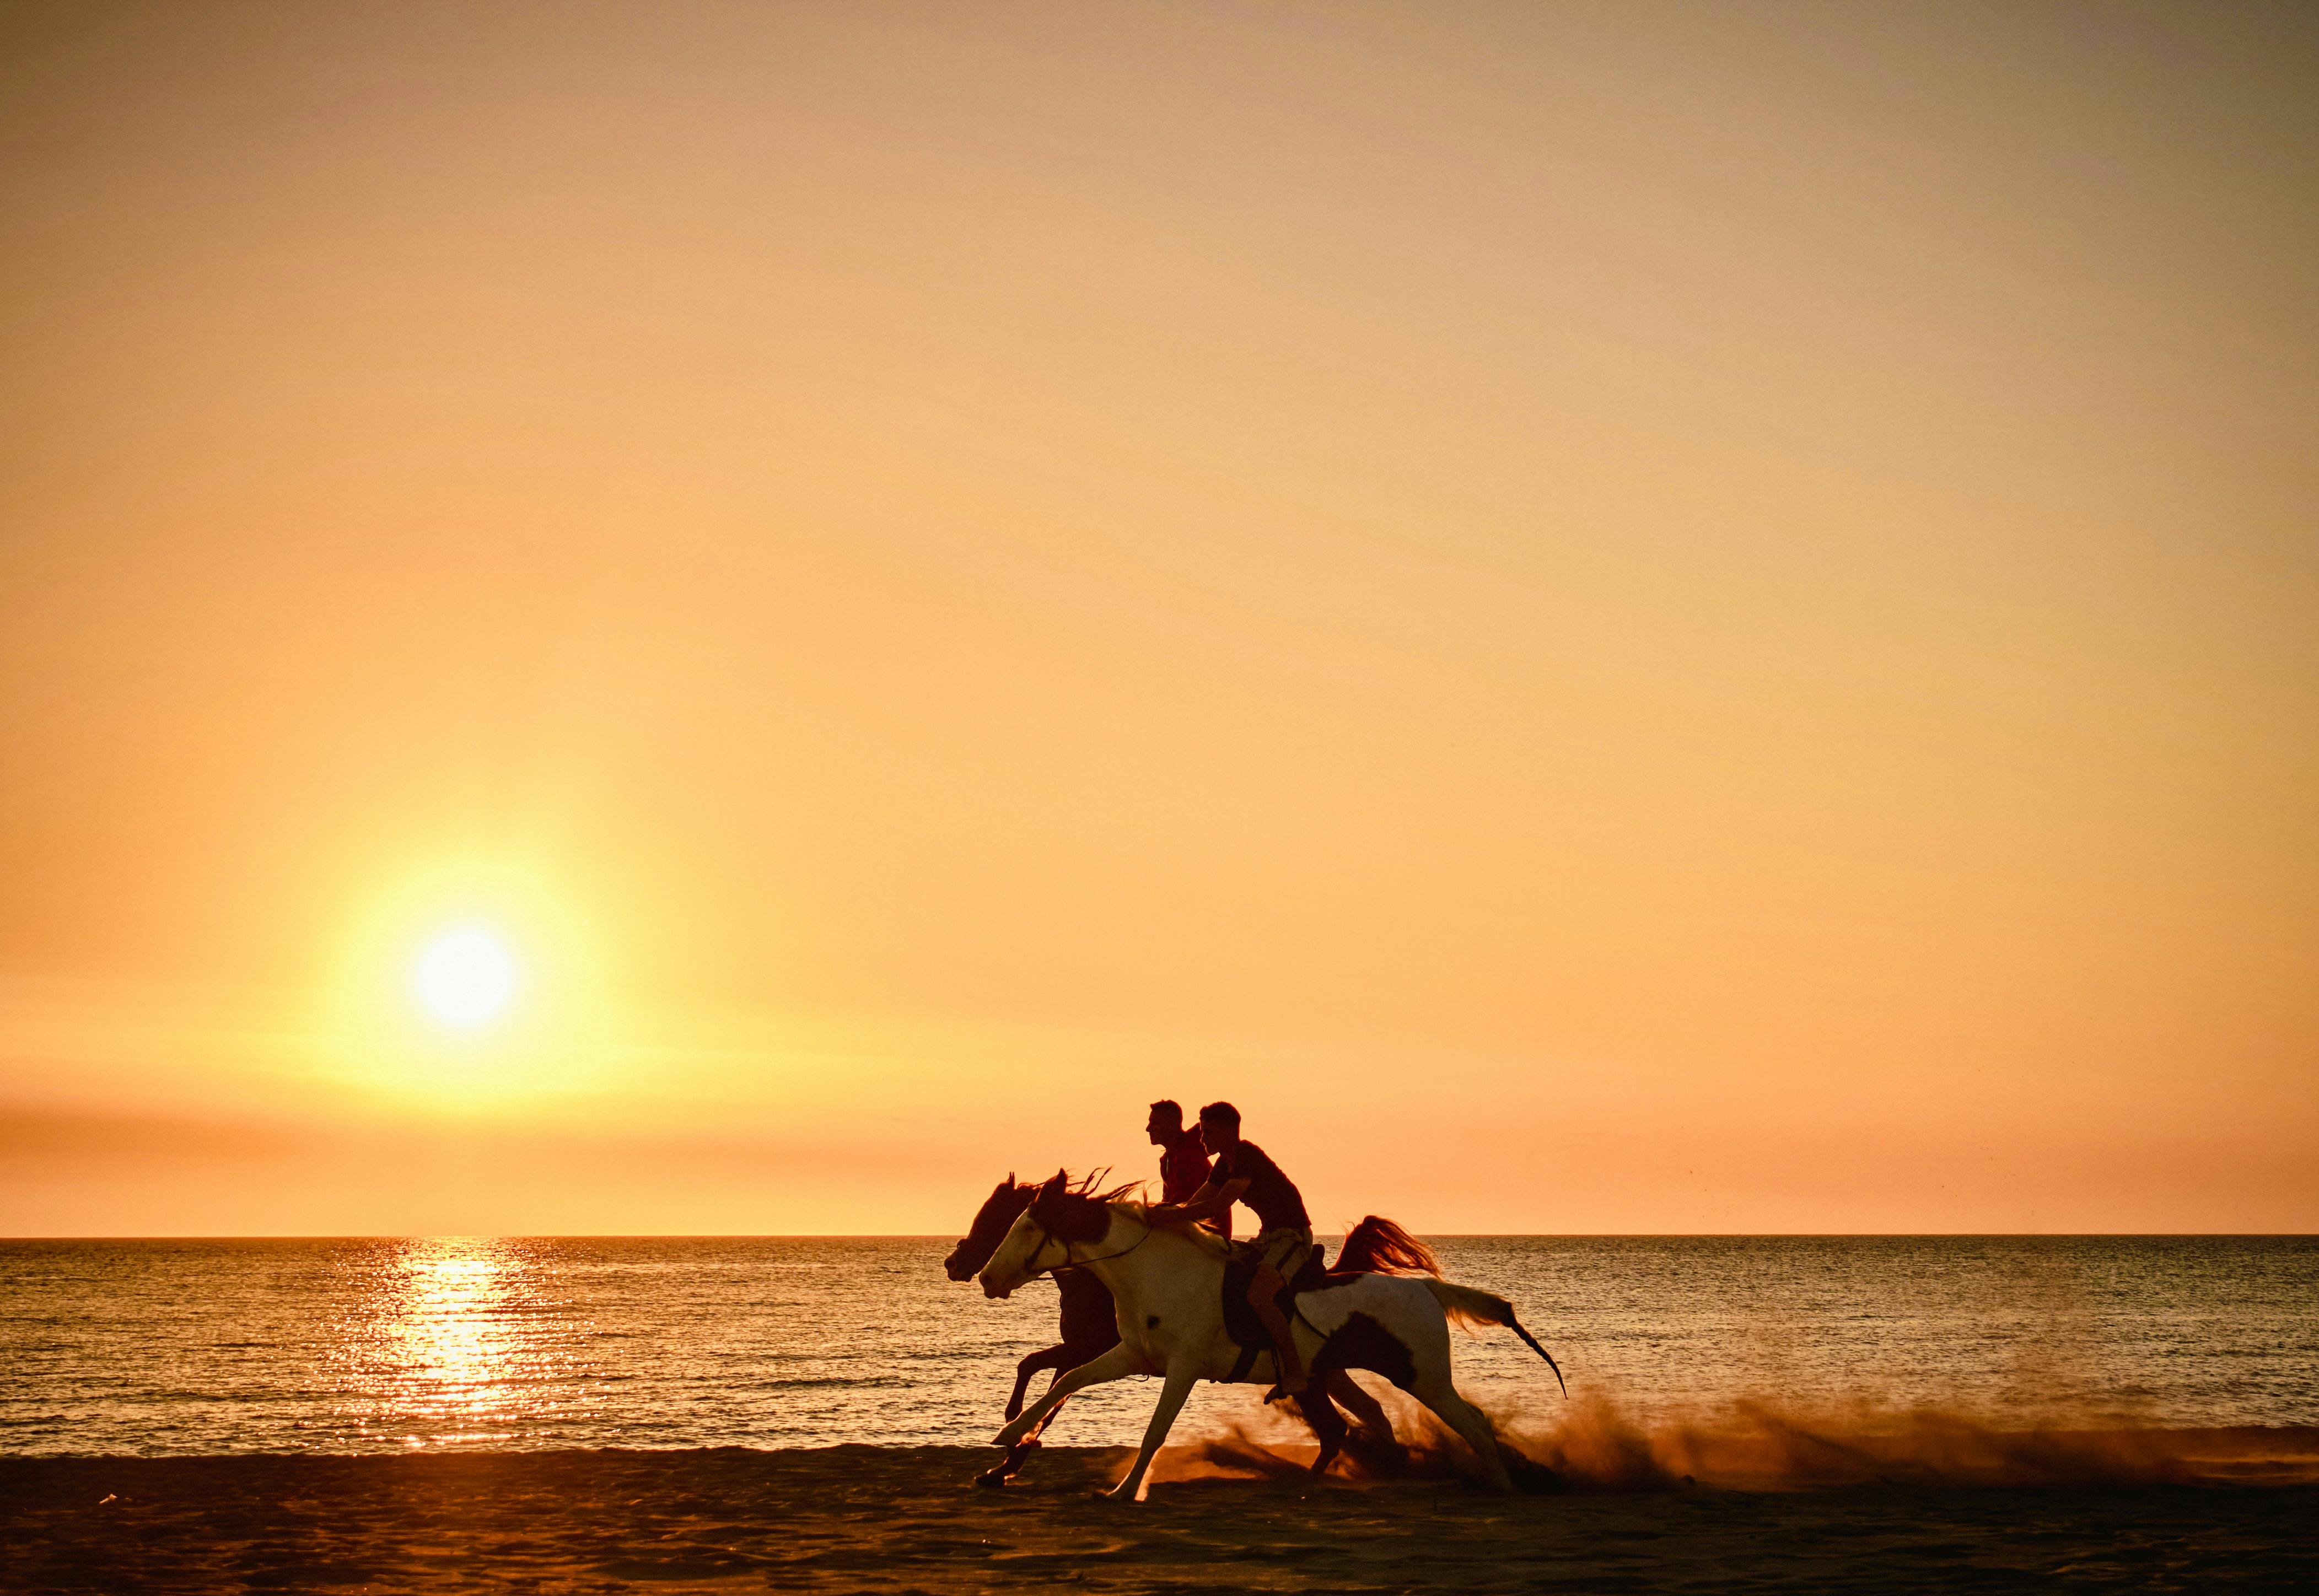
(1758, 1445)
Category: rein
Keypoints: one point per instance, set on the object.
(1046, 1236)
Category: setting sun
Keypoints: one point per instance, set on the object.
(471, 982)
(466, 978)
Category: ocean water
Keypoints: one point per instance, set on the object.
(179, 1347)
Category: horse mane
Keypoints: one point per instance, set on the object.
(1199, 1235)
(1087, 1184)
(1073, 1209)
(1377, 1246)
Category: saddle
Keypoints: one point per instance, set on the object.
(1240, 1322)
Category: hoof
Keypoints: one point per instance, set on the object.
(1378, 1456)
(1535, 1479)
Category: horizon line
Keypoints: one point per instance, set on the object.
(1435, 1235)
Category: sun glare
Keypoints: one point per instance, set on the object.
(466, 979)
(471, 984)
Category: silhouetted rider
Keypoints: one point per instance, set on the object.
(1183, 1156)
(1244, 1173)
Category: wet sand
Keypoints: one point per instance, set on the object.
(863, 1518)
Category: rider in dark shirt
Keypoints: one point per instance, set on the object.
(1269, 1195)
(1244, 1173)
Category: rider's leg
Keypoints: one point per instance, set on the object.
(1263, 1295)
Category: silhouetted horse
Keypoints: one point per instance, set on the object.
(1167, 1282)
(1090, 1321)
(1090, 1328)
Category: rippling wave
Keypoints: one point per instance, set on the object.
(360, 1346)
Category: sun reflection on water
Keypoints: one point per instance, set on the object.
(462, 1339)
(452, 1336)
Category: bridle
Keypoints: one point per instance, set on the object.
(1046, 1235)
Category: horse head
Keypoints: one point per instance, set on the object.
(1001, 1209)
(1059, 1211)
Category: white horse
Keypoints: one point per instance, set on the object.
(1169, 1283)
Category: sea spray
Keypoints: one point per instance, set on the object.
(1759, 1445)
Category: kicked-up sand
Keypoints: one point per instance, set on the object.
(2189, 1512)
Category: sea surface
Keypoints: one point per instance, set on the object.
(193, 1346)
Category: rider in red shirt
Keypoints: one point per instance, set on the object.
(1183, 1154)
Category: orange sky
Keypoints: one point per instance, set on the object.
(1611, 617)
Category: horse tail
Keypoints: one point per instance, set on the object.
(1468, 1306)
(1377, 1246)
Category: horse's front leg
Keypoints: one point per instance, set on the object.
(1033, 1438)
(1008, 1467)
(1182, 1376)
(1118, 1364)
(1051, 1358)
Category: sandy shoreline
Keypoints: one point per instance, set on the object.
(902, 1519)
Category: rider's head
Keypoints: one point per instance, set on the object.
(1166, 1124)
(1220, 1127)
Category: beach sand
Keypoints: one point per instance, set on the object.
(865, 1518)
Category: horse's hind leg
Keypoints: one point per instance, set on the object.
(1327, 1423)
(1468, 1420)
(1368, 1413)
(1372, 1443)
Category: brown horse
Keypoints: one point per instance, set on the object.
(1090, 1328)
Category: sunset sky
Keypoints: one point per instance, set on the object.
(1612, 618)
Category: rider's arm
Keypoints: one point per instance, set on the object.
(1210, 1202)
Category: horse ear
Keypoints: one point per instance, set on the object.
(1010, 1180)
